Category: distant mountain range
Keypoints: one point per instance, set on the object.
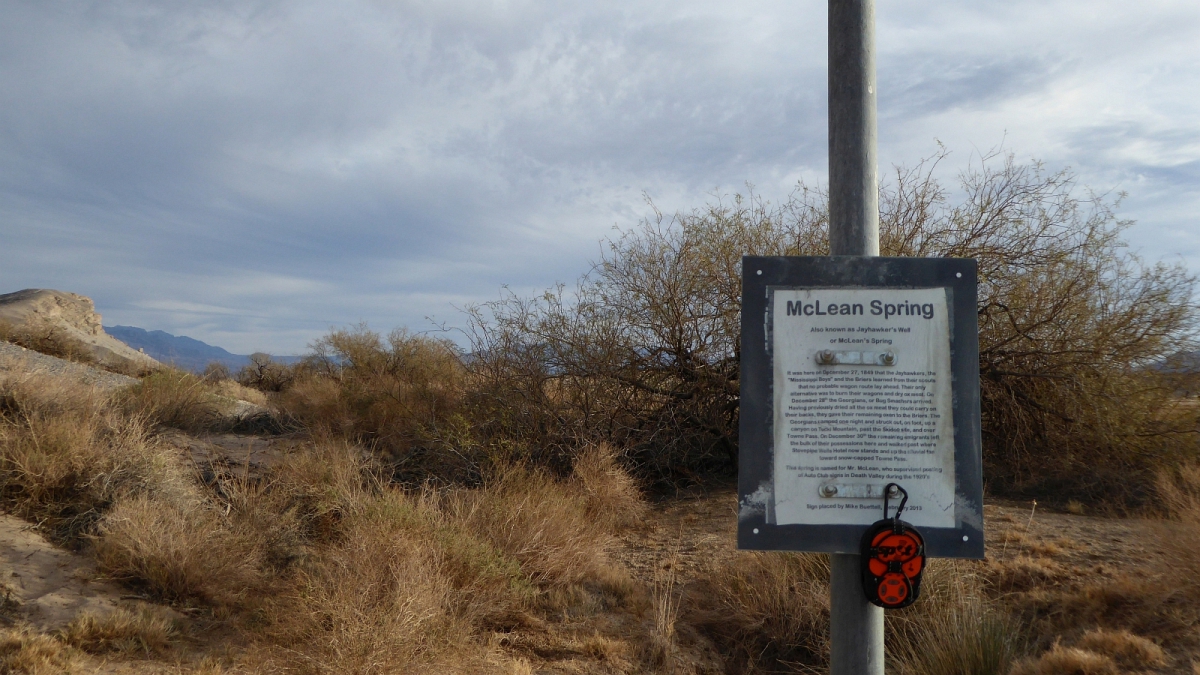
(185, 352)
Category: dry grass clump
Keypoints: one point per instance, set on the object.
(661, 651)
(954, 628)
(1180, 492)
(539, 521)
(403, 588)
(768, 612)
(1022, 573)
(232, 389)
(612, 495)
(1131, 652)
(1067, 661)
(174, 398)
(302, 502)
(67, 457)
(144, 632)
(397, 580)
(178, 553)
(1098, 652)
(30, 653)
(765, 610)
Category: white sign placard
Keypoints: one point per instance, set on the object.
(862, 398)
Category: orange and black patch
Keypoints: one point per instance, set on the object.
(893, 558)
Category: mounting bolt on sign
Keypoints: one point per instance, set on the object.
(893, 558)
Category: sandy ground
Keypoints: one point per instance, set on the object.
(46, 585)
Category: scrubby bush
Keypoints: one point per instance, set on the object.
(265, 373)
(643, 352)
(216, 371)
(400, 395)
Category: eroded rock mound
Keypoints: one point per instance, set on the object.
(69, 318)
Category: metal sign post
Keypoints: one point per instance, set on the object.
(857, 372)
(855, 625)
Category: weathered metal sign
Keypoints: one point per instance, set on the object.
(856, 373)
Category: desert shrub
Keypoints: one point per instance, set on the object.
(175, 398)
(400, 396)
(216, 371)
(45, 337)
(265, 374)
(643, 352)
(67, 457)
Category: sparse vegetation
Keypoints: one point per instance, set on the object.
(434, 511)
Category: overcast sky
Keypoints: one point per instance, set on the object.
(251, 174)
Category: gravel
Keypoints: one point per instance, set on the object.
(17, 359)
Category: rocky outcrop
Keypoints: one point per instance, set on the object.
(74, 317)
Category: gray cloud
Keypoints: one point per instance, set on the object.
(252, 173)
